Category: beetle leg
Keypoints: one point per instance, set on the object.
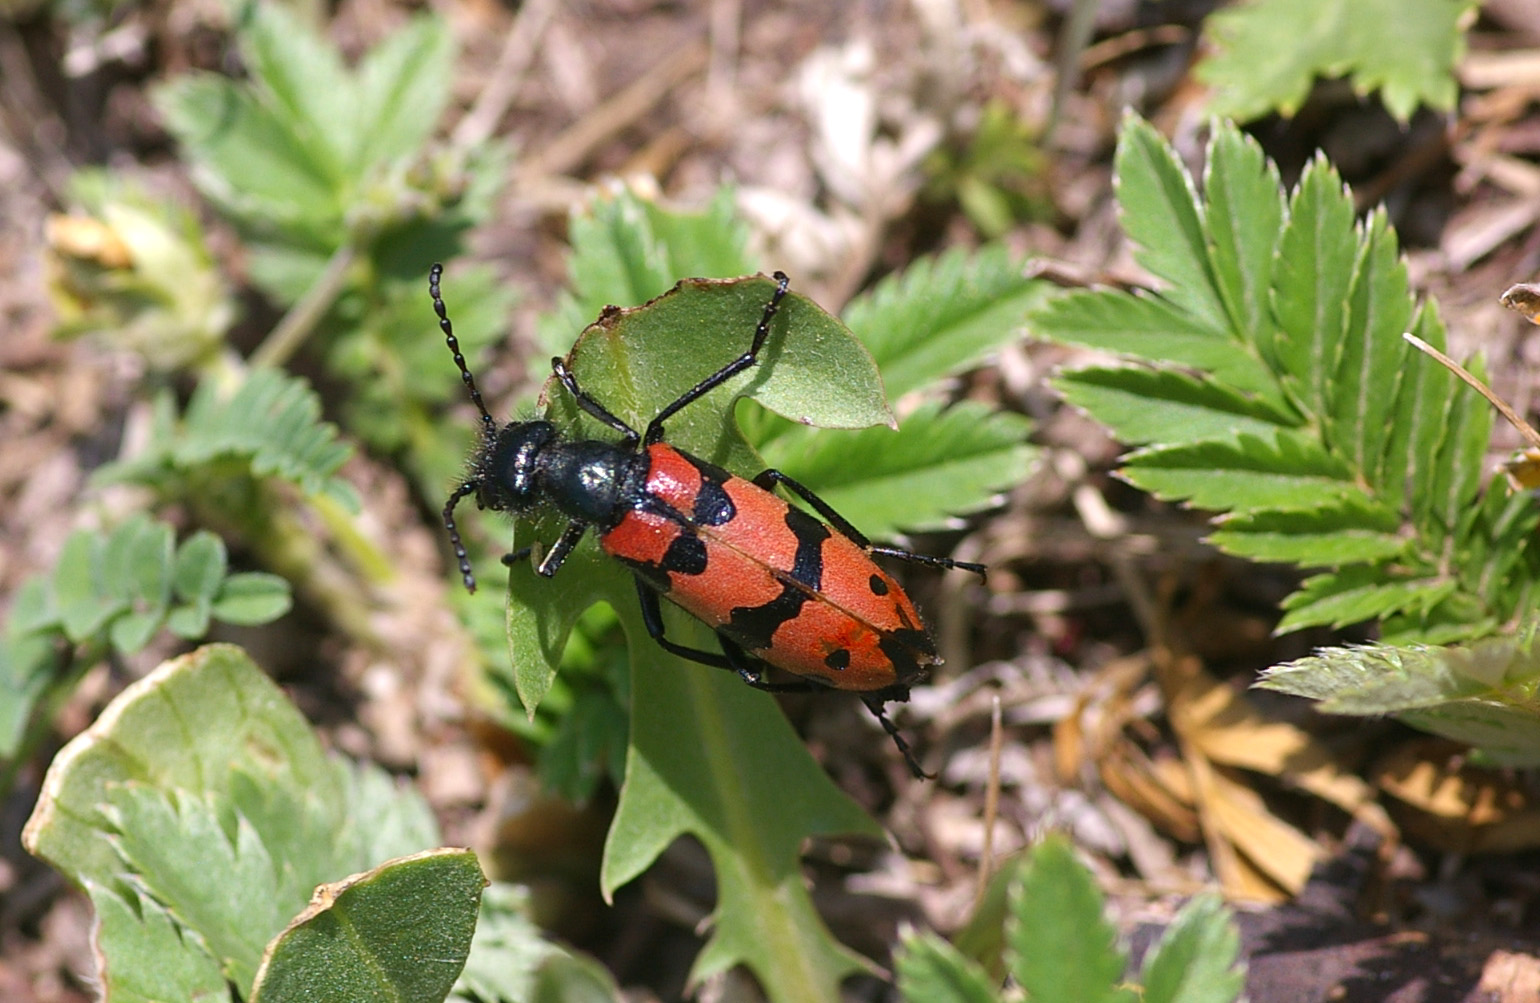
(874, 704)
(629, 435)
(652, 619)
(768, 480)
(569, 538)
(727, 372)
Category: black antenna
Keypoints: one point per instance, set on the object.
(434, 275)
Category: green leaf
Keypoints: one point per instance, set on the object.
(1425, 394)
(1245, 214)
(1312, 283)
(712, 758)
(177, 847)
(200, 567)
(1328, 536)
(932, 971)
(1161, 405)
(28, 664)
(1356, 593)
(402, 86)
(1195, 962)
(193, 724)
(940, 463)
(1362, 397)
(1407, 49)
(1479, 692)
(272, 423)
(1061, 947)
(626, 250)
(148, 956)
(400, 931)
(1160, 213)
(1287, 472)
(942, 315)
(1152, 329)
(82, 610)
(252, 597)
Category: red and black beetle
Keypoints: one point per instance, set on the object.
(780, 587)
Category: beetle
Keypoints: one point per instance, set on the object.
(781, 588)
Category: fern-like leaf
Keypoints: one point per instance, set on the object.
(1269, 382)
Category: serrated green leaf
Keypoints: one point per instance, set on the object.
(148, 957)
(1163, 406)
(402, 86)
(1423, 398)
(300, 78)
(1195, 962)
(932, 971)
(1316, 257)
(1504, 735)
(219, 885)
(1421, 675)
(1147, 327)
(939, 464)
(1356, 593)
(272, 423)
(1288, 472)
(1061, 946)
(1407, 49)
(244, 158)
(943, 314)
(1457, 466)
(191, 725)
(1362, 397)
(1243, 195)
(626, 250)
(1160, 213)
(1327, 536)
(252, 597)
(400, 931)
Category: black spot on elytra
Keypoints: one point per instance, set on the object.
(838, 659)
(712, 505)
(879, 587)
(686, 555)
(807, 567)
(753, 626)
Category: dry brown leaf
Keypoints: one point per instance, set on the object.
(1227, 728)
(1458, 806)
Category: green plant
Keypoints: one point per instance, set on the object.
(1269, 381)
(995, 176)
(707, 755)
(1042, 924)
(111, 592)
(329, 175)
(1406, 49)
(200, 847)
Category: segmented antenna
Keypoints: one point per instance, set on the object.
(488, 425)
(434, 275)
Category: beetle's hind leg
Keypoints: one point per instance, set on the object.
(874, 704)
